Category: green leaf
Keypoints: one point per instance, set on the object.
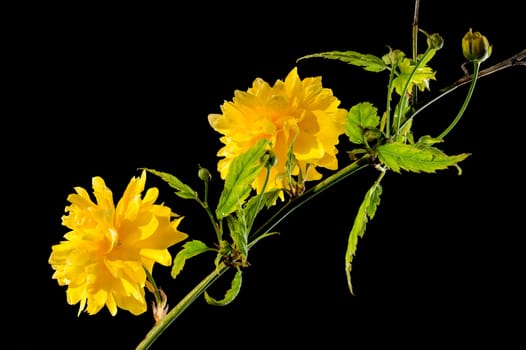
(416, 157)
(181, 189)
(239, 232)
(253, 207)
(230, 294)
(361, 117)
(421, 77)
(291, 161)
(393, 57)
(242, 172)
(189, 250)
(368, 62)
(241, 224)
(365, 213)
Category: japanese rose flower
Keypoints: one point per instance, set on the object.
(300, 115)
(105, 255)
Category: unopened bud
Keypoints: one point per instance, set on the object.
(269, 159)
(475, 47)
(435, 41)
(204, 174)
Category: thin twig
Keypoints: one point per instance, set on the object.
(415, 43)
(415, 29)
(518, 59)
(515, 60)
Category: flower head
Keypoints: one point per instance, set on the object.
(104, 255)
(295, 114)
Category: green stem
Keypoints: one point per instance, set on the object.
(211, 217)
(403, 97)
(199, 289)
(185, 302)
(415, 44)
(387, 121)
(260, 196)
(429, 103)
(288, 208)
(476, 66)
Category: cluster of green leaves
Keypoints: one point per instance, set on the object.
(385, 141)
(388, 139)
(237, 206)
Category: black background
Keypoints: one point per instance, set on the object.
(105, 90)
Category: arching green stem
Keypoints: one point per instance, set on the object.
(200, 288)
(476, 66)
(309, 194)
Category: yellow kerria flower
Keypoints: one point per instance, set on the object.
(103, 258)
(294, 112)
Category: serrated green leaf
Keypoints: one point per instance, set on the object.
(365, 213)
(230, 294)
(290, 163)
(421, 77)
(189, 250)
(238, 229)
(416, 158)
(181, 189)
(253, 205)
(240, 225)
(360, 117)
(368, 62)
(242, 172)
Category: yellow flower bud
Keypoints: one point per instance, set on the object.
(475, 47)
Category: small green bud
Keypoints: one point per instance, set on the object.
(204, 174)
(435, 41)
(269, 159)
(475, 47)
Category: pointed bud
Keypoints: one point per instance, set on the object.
(475, 47)
(204, 174)
(269, 159)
